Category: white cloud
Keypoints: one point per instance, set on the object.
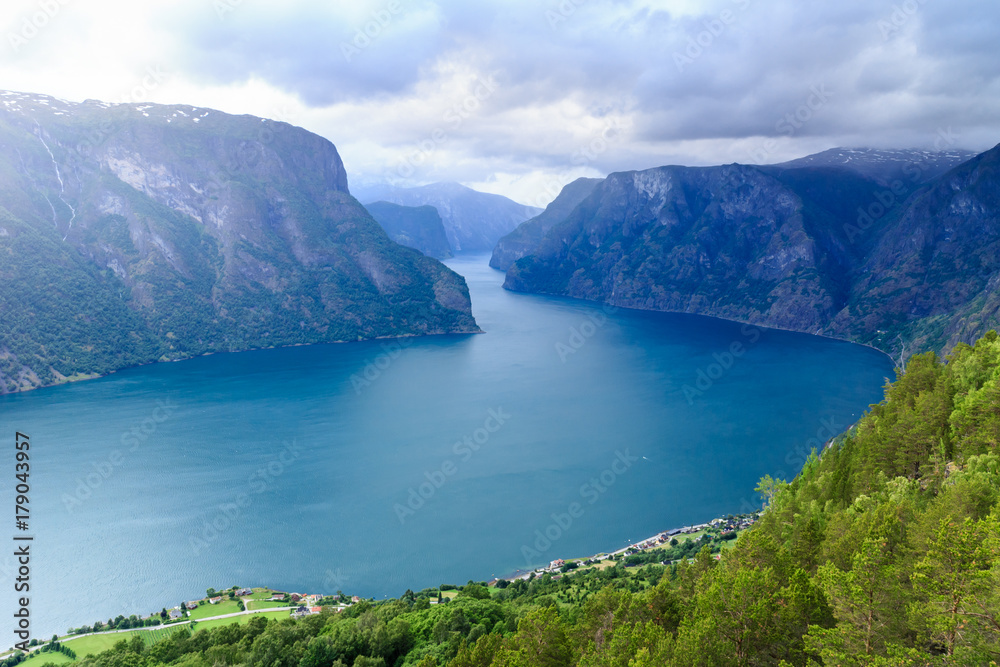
(564, 70)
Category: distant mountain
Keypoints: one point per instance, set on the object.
(474, 221)
(417, 227)
(911, 166)
(136, 233)
(530, 233)
(818, 248)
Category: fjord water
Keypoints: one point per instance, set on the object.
(291, 467)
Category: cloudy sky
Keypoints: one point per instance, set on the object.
(521, 96)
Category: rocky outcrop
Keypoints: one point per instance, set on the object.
(417, 227)
(520, 242)
(474, 221)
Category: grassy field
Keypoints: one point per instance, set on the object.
(39, 659)
(208, 610)
(266, 604)
(206, 625)
(97, 643)
(261, 594)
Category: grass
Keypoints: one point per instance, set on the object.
(93, 644)
(88, 644)
(261, 594)
(241, 620)
(39, 659)
(207, 610)
(265, 604)
(150, 637)
(96, 643)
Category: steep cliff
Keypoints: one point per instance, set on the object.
(473, 220)
(530, 233)
(856, 253)
(136, 233)
(417, 227)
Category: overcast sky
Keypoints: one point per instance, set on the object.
(520, 97)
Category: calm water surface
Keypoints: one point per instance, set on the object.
(372, 470)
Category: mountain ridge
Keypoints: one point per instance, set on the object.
(778, 246)
(139, 232)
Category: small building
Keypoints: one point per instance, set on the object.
(244, 591)
(295, 597)
(559, 562)
(175, 614)
(215, 600)
(355, 598)
(192, 605)
(315, 610)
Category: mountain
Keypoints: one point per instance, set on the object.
(417, 227)
(133, 233)
(821, 249)
(474, 221)
(530, 233)
(888, 165)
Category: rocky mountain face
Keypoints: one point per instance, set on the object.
(819, 248)
(888, 165)
(530, 233)
(136, 233)
(474, 221)
(417, 227)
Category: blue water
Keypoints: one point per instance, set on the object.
(294, 467)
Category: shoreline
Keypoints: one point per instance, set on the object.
(86, 377)
(653, 542)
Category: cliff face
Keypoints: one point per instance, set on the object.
(932, 277)
(474, 221)
(417, 227)
(136, 233)
(520, 242)
(818, 249)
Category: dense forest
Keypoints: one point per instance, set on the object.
(884, 550)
